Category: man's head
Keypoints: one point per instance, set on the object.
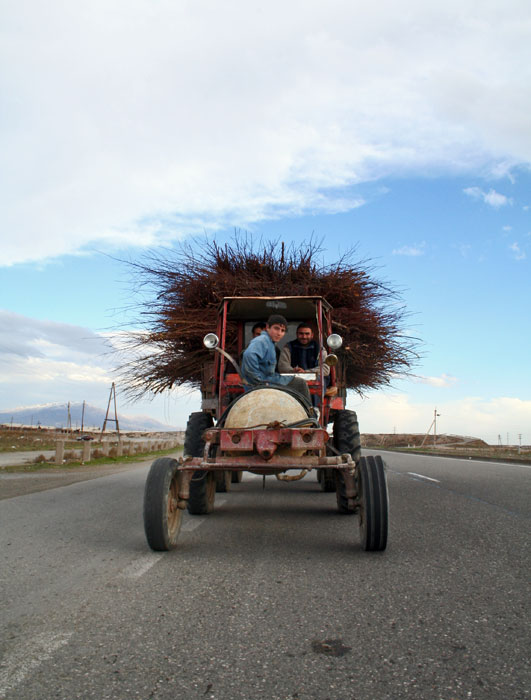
(304, 334)
(276, 327)
(258, 328)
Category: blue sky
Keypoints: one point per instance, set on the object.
(402, 129)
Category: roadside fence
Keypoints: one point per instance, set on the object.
(113, 448)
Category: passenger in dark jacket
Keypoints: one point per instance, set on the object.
(302, 354)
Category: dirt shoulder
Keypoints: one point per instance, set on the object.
(454, 446)
(15, 484)
(525, 459)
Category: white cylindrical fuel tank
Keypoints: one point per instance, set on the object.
(264, 406)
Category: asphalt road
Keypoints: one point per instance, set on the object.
(271, 596)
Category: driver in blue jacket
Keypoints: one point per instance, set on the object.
(260, 359)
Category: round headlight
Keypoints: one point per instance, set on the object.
(211, 341)
(331, 360)
(334, 341)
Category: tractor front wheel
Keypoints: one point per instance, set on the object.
(162, 514)
(374, 503)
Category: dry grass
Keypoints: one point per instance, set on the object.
(446, 445)
(181, 291)
(27, 439)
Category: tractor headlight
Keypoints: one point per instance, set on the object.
(211, 341)
(334, 341)
(331, 360)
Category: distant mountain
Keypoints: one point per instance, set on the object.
(56, 416)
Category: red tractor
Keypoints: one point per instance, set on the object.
(267, 430)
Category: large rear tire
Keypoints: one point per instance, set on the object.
(374, 504)
(326, 478)
(346, 440)
(202, 493)
(223, 481)
(162, 516)
(203, 483)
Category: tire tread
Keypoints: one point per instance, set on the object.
(201, 500)
(156, 490)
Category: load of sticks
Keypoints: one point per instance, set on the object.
(181, 292)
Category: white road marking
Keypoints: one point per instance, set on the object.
(27, 656)
(140, 566)
(194, 522)
(191, 524)
(421, 476)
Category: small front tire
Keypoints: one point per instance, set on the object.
(374, 503)
(162, 515)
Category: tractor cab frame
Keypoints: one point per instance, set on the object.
(222, 381)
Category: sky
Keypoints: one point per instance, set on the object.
(401, 128)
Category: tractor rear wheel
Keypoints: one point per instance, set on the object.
(202, 493)
(326, 478)
(346, 440)
(223, 481)
(203, 483)
(374, 503)
(162, 515)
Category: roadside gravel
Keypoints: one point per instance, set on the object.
(21, 483)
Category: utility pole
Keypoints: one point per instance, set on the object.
(69, 419)
(82, 416)
(112, 420)
(434, 426)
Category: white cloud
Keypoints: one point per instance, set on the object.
(35, 370)
(482, 417)
(412, 251)
(495, 199)
(518, 254)
(492, 198)
(135, 123)
(445, 380)
(45, 362)
(47, 359)
(464, 249)
(29, 337)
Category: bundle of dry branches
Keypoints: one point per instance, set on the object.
(182, 293)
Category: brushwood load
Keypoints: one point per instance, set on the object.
(202, 323)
